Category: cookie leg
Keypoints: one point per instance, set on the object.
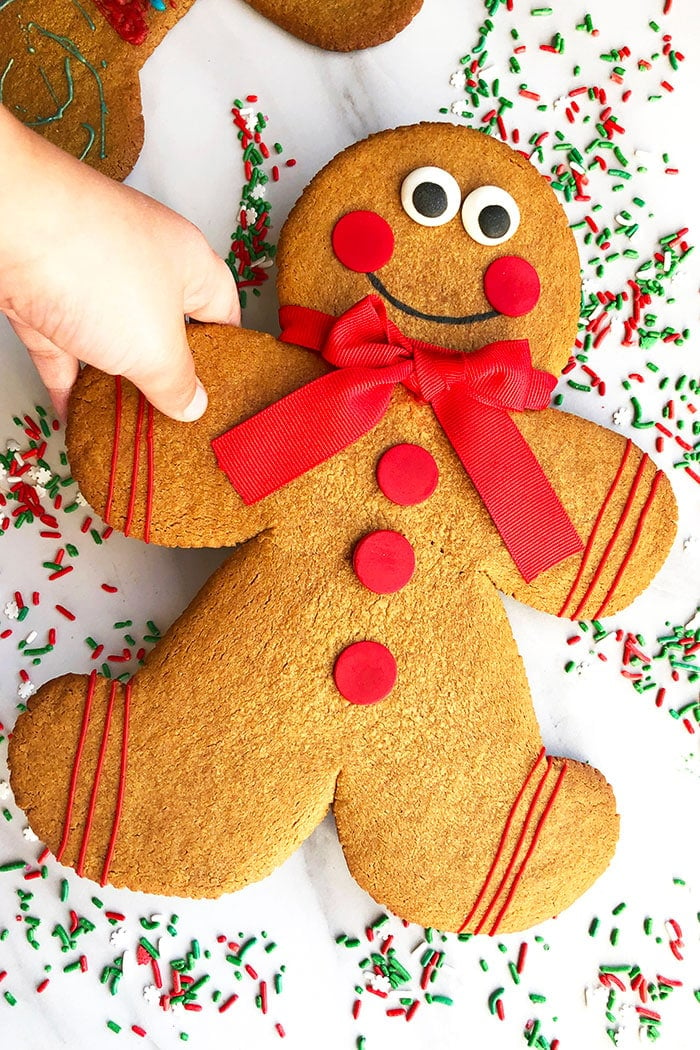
(189, 780)
(465, 859)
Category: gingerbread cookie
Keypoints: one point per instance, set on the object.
(349, 25)
(384, 469)
(69, 68)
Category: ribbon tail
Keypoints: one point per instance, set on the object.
(524, 507)
(303, 429)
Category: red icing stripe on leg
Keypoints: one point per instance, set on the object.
(535, 838)
(502, 842)
(75, 773)
(518, 845)
(633, 542)
(115, 445)
(96, 782)
(596, 526)
(616, 532)
(122, 785)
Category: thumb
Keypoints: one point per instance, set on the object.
(212, 294)
(164, 372)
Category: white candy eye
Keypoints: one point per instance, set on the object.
(490, 215)
(430, 196)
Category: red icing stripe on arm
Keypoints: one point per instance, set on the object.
(633, 543)
(149, 474)
(115, 445)
(613, 539)
(135, 465)
(594, 531)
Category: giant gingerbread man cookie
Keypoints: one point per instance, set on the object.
(69, 68)
(383, 470)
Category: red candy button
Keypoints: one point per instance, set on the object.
(365, 672)
(407, 474)
(363, 241)
(384, 561)
(512, 286)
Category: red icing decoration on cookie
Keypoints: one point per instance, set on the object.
(384, 561)
(363, 241)
(127, 17)
(365, 672)
(512, 286)
(407, 474)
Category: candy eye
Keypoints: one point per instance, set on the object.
(490, 215)
(430, 196)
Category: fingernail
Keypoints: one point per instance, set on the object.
(197, 406)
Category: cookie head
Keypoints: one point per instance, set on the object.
(460, 236)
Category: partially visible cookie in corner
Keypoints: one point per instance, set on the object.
(340, 25)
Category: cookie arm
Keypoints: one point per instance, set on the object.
(622, 507)
(151, 477)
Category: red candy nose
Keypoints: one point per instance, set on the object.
(512, 286)
(363, 241)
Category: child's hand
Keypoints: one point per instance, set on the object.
(94, 271)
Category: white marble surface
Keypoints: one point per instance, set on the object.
(318, 103)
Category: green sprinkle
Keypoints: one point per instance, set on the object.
(12, 865)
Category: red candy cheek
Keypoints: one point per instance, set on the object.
(512, 286)
(363, 241)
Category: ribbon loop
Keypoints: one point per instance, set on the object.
(470, 394)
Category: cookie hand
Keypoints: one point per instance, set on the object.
(97, 272)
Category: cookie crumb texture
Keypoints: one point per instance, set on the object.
(263, 704)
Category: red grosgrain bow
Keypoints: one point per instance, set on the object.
(471, 395)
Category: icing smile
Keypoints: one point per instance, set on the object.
(437, 318)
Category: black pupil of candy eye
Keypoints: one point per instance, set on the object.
(494, 221)
(430, 199)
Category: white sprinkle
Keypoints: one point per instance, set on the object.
(80, 499)
(30, 637)
(118, 936)
(379, 982)
(622, 417)
(12, 445)
(151, 995)
(25, 690)
(4, 790)
(29, 834)
(458, 79)
(11, 610)
(251, 216)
